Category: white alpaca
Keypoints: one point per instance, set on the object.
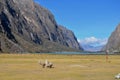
(41, 63)
(117, 76)
(46, 64)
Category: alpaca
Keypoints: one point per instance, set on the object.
(46, 64)
(43, 64)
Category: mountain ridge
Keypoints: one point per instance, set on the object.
(113, 44)
(32, 28)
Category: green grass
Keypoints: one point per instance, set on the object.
(66, 67)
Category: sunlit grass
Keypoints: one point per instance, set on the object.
(66, 67)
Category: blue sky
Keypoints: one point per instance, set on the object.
(88, 19)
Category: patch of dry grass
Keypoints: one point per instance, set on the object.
(66, 67)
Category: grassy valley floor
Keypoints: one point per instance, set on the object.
(66, 67)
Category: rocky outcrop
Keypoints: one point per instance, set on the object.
(32, 28)
(68, 38)
(113, 44)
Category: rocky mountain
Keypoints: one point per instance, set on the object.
(113, 44)
(26, 26)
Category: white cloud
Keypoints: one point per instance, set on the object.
(93, 41)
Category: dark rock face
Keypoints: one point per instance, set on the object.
(68, 38)
(114, 41)
(32, 28)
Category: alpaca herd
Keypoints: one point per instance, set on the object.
(46, 64)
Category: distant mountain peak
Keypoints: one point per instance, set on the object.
(93, 43)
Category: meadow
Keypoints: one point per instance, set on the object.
(66, 67)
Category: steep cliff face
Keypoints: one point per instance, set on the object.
(32, 28)
(114, 41)
(68, 38)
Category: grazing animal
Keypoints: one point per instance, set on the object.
(117, 76)
(43, 64)
(46, 64)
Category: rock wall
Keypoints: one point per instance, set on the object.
(32, 28)
(113, 44)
